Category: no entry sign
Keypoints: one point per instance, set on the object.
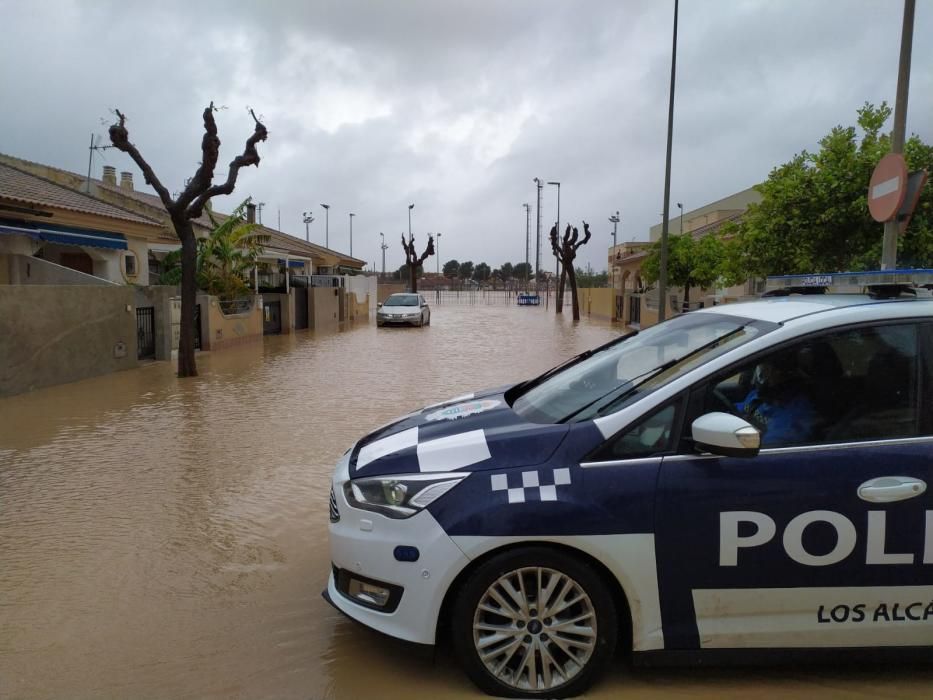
(887, 187)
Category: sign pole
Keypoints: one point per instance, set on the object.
(889, 244)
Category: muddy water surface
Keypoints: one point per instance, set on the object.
(162, 538)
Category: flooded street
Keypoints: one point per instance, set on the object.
(166, 539)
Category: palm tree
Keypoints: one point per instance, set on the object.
(228, 255)
(224, 259)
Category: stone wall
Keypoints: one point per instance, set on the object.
(52, 334)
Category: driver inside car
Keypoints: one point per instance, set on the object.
(778, 403)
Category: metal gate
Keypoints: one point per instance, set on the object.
(145, 333)
(197, 327)
(634, 310)
(271, 318)
(301, 307)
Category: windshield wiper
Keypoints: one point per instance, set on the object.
(531, 383)
(629, 388)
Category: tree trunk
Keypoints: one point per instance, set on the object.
(686, 305)
(413, 276)
(561, 284)
(189, 288)
(572, 278)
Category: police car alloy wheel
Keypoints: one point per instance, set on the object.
(534, 622)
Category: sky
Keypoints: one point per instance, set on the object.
(455, 106)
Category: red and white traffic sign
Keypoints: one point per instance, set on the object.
(888, 187)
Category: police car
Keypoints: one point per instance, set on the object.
(629, 497)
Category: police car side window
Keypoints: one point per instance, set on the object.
(650, 436)
(879, 387)
(853, 385)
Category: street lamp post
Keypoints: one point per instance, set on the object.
(662, 272)
(560, 287)
(615, 223)
(326, 225)
(681, 207)
(410, 207)
(307, 217)
(383, 246)
(527, 240)
(351, 233)
(539, 184)
(438, 252)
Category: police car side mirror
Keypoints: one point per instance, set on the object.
(379, 305)
(725, 434)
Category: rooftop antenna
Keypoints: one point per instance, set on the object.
(259, 207)
(95, 146)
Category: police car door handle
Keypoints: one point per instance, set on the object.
(887, 489)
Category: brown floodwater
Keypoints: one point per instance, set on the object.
(165, 538)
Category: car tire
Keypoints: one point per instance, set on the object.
(564, 658)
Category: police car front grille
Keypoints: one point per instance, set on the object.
(334, 513)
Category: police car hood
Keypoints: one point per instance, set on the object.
(470, 433)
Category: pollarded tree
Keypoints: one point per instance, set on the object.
(565, 250)
(188, 206)
(413, 260)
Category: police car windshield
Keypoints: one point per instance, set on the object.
(618, 374)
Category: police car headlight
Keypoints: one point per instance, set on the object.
(399, 496)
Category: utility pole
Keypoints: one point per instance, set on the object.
(662, 278)
(889, 242)
(438, 261)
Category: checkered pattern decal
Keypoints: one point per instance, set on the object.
(531, 487)
(439, 455)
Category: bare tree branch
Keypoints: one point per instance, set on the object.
(120, 138)
(250, 156)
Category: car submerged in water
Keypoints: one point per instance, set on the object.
(404, 309)
(649, 492)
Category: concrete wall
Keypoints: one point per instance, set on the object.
(361, 294)
(220, 330)
(323, 307)
(27, 270)
(52, 334)
(596, 301)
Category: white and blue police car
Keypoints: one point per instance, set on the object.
(746, 478)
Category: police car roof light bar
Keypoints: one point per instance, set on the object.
(878, 283)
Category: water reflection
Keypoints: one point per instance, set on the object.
(166, 538)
